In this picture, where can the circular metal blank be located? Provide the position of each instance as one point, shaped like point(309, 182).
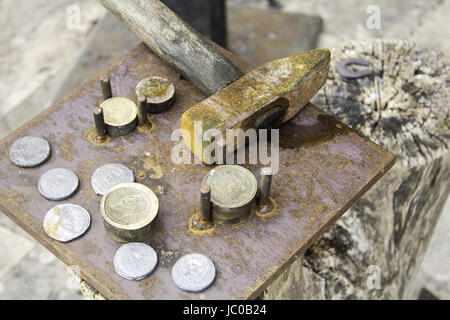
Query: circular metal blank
point(135, 261)
point(66, 222)
point(160, 93)
point(58, 184)
point(120, 116)
point(110, 175)
point(29, 152)
point(193, 273)
point(233, 194)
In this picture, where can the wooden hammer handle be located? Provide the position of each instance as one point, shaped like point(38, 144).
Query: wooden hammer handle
point(177, 43)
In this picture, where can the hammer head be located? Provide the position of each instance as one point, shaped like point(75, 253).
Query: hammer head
point(268, 96)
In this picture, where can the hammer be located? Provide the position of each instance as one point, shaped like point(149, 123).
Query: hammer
point(262, 99)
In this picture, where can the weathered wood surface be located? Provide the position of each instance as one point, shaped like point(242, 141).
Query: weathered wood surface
point(404, 108)
point(177, 43)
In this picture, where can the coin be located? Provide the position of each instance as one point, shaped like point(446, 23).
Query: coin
point(120, 115)
point(66, 222)
point(119, 111)
point(135, 261)
point(231, 186)
point(58, 184)
point(29, 152)
point(193, 273)
point(110, 175)
point(130, 212)
point(233, 194)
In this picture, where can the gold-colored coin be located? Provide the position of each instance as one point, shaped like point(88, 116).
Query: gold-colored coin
point(231, 186)
point(233, 194)
point(156, 89)
point(119, 111)
point(129, 206)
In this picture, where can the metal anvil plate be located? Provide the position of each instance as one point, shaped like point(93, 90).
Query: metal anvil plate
point(326, 169)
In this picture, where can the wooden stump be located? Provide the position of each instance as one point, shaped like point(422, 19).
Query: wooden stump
point(384, 236)
point(89, 292)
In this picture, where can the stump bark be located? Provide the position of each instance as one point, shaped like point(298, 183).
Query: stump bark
point(375, 250)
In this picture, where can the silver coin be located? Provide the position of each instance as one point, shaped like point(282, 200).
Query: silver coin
point(194, 273)
point(110, 175)
point(66, 222)
point(135, 261)
point(29, 152)
point(58, 184)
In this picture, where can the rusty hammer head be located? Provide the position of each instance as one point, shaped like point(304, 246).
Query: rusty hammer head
point(264, 98)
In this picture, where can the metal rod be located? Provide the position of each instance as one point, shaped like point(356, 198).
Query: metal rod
point(106, 87)
point(142, 110)
point(100, 125)
point(266, 182)
point(205, 203)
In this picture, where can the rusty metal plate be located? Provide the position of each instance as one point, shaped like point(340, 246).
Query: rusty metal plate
point(324, 168)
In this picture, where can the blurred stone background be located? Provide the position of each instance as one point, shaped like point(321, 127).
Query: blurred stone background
point(47, 51)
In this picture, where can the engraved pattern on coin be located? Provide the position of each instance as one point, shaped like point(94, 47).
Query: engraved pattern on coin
point(58, 184)
point(130, 204)
point(231, 185)
point(110, 175)
point(155, 89)
point(66, 222)
point(29, 152)
point(119, 111)
point(135, 261)
point(194, 273)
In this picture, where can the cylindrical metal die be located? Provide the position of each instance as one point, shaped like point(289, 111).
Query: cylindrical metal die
point(120, 116)
point(233, 194)
point(160, 93)
point(130, 212)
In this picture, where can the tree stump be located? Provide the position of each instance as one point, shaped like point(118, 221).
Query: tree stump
point(375, 250)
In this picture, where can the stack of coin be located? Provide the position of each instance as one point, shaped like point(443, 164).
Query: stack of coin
point(129, 212)
point(233, 194)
